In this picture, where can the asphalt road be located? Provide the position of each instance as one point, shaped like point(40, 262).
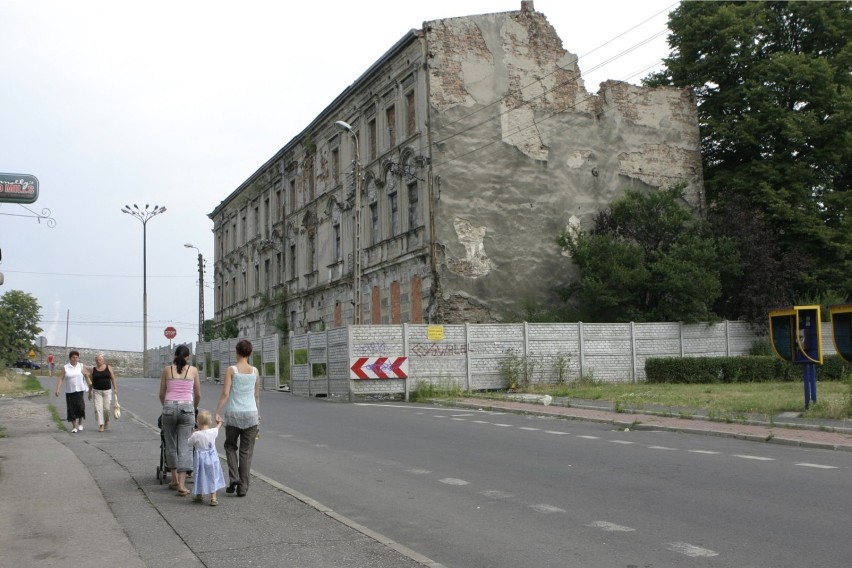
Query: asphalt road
point(481, 489)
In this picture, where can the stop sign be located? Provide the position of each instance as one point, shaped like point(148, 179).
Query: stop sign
point(170, 332)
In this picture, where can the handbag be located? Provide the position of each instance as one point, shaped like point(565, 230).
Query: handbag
point(116, 409)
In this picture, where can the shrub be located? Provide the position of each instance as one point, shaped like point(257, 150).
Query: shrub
point(746, 369)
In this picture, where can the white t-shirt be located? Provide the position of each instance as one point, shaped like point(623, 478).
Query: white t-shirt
point(201, 439)
point(74, 380)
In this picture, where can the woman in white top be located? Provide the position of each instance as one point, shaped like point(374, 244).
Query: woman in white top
point(75, 375)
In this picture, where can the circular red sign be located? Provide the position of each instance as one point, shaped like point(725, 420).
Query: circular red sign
point(170, 332)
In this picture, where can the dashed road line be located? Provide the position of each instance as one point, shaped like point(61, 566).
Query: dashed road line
point(547, 509)
point(625, 442)
point(662, 448)
point(609, 527)
point(590, 437)
point(691, 550)
point(757, 458)
point(707, 452)
point(453, 481)
point(556, 432)
point(816, 465)
point(496, 494)
point(419, 471)
point(528, 429)
point(503, 425)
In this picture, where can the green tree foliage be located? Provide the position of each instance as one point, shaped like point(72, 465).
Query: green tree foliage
point(19, 316)
point(774, 93)
point(648, 258)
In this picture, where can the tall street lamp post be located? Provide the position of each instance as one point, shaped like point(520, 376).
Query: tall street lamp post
point(200, 290)
point(356, 253)
point(144, 215)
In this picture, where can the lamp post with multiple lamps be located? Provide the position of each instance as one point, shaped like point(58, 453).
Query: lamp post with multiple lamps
point(200, 290)
point(356, 252)
point(144, 215)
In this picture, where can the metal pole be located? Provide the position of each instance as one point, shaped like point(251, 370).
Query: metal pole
point(145, 298)
point(356, 253)
point(200, 296)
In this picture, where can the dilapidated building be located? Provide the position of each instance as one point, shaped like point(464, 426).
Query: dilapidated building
point(434, 188)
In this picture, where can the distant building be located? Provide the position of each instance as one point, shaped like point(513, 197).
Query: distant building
point(477, 144)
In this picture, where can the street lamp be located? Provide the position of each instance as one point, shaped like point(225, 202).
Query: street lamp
point(356, 253)
point(200, 289)
point(144, 215)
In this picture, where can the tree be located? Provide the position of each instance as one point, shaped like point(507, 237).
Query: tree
point(648, 258)
point(19, 317)
point(774, 93)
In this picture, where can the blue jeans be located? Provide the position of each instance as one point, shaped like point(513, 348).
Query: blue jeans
point(178, 422)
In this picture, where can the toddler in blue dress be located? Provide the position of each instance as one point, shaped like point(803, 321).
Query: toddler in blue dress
point(206, 466)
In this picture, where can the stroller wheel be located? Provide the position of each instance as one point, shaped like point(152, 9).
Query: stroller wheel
point(159, 475)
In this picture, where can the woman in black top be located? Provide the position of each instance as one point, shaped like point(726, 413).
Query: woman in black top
point(103, 385)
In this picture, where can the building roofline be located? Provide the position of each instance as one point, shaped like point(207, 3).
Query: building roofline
point(403, 42)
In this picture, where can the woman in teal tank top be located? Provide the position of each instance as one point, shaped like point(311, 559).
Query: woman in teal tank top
point(238, 409)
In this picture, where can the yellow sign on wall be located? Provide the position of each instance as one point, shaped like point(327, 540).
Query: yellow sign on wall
point(435, 333)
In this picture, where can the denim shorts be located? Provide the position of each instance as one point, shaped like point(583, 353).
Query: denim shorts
point(178, 423)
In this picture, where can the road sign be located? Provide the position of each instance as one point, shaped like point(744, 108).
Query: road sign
point(170, 332)
point(379, 368)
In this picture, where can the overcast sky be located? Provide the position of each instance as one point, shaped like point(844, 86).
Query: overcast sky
point(177, 102)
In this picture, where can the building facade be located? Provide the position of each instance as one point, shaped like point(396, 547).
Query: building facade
point(472, 143)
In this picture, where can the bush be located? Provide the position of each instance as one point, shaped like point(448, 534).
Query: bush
point(746, 369)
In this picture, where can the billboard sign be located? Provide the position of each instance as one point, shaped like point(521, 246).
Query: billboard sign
point(18, 188)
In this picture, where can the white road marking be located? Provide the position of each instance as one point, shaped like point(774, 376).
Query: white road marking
point(590, 437)
point(438, 416)
point(661, 448)
point(480, 422)
point(547, 509)
point(418, 471)
point(555, 432)
point(461, 415)
point(621, 442)
point(453, 481)
point(816, 465)
point(609, 527)
point(691, 550)
point(503, 425)
point(528, 428)
point(708, 452)
point(459, 419)
point(495, 494)
point(758, 458)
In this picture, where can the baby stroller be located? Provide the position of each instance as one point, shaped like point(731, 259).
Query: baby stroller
point(162, 470)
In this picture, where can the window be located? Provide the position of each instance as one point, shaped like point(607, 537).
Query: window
point(280, 268)
point(336, 234)
point(413, 206)
point(390, 118)
point(244, 284)
point(244, 228)
point(292, 196)
point(309, 177)
point(410, 116)
point(312, 253)
point(279, 205)
point(256, 279)
point(374, 223)
point(267, 220)
point(394, 214)
point(234, 236)
point(371, 132)
point(335, 166)
point(233, 290)
point(293, 261)
point(226, 242)
point(255, 230)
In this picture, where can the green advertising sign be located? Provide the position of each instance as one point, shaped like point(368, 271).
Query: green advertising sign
point(18, 188)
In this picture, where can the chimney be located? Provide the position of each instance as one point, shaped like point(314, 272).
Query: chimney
point(527, 6)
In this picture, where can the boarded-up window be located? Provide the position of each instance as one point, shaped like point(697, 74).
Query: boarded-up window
point(416, 300)
point(376, 306)
point(394, 298)
point(390, 118)
point(338, 314)
point(410, 115)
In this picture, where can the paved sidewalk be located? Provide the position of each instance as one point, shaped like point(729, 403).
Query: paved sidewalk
point(790, 430)
point(93, 499)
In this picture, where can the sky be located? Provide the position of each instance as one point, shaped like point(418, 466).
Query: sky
point(176, 103)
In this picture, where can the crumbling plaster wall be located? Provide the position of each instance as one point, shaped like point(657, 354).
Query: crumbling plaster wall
point(520, 148)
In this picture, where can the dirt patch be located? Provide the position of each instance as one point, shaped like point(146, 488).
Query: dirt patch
point(23, 416)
